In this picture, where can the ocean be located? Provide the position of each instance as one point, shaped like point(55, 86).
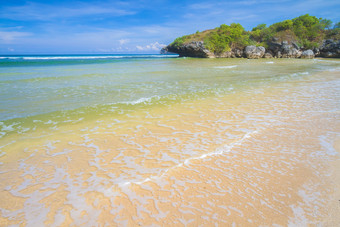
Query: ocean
point(157, 140)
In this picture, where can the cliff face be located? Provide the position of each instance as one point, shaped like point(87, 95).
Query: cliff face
point(197, 49)
point(329, 49)
point(301, 37)
point(192, 49)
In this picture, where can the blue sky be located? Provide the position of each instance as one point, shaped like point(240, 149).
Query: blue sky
point(138, 26)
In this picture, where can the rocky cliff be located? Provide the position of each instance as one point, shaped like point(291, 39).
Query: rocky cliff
point(305, 36)
point(329, 49)
point(192, 49)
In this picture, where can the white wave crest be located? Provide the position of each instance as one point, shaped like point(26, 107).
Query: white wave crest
point(226, 67)
point(334, 69)
point(86, 57)
point(142, 100)
point(299, 74)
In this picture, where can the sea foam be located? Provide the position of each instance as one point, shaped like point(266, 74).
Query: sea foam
point(226, 67)
point(85, 57)
point(218, 151)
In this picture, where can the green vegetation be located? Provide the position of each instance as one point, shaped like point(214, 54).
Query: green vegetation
point(335, 32)
point(306, 31)
point(226, 37)
point(180, 40)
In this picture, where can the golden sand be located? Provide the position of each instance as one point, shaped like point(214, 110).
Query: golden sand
point(245, 159)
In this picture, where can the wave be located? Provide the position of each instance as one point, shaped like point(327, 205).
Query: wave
point(299, 74)
point(323, 60)
point(226, 67)
point(337, 69)
point(22, 123)
point(142, 100)
point(85, 57)
point(218, 151)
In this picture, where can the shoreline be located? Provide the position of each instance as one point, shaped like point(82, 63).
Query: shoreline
point(254, 155)
point(333, 209)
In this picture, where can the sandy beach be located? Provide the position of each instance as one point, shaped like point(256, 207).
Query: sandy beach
point(260, 153)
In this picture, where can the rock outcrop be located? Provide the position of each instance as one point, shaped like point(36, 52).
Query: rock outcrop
point(268, 55)
point(254, 52)
point(235, 53)
point(307, 54)
point(192, 49)
point(283, 49)
point(198, 50)
point(330, 49)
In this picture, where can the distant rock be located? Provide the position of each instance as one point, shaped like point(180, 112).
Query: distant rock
point(238, 53)
point(274, 47)
point(330, 49)
point(284, 49)
point(268, 55)
point(192, 49)
point(198, 50)
point(278, 54)
point(164, 50)
point(295, 45)
point(289, 51)
point(226, 54)
point(254, 52)
point(307, 54)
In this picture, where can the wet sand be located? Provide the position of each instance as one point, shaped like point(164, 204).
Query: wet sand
point(333, 208)
point(262, 157)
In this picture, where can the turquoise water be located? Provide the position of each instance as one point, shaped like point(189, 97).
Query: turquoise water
point(132, 140)
point(75, 87)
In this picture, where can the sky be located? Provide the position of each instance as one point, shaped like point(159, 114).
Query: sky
point(134, 26)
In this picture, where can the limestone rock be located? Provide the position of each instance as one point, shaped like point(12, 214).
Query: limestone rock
point(192, 49)
point(307, 54)
point(238, 53)
point(274, 46)
point(278, 54)
point(288, 51)
point(227, 54)
point(316, 51)
point(254, 52)
point(268, 55)
point(330, 48)
point(284, 49)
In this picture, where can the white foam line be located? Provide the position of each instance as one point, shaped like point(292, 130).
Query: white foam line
point(322, 60)
point(334, 69)
point(218, 151)
point(142, 100)
point(226, 67)
point(89, 57)
point(299, 74)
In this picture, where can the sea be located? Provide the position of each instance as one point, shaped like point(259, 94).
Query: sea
point(158, 140)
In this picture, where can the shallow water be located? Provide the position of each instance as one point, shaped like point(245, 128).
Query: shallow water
point(156, 141)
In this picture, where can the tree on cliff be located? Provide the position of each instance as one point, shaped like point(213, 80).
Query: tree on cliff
point(306, 31)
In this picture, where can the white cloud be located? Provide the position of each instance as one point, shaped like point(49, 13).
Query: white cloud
point(152, 46)
point(139, 47)
point(45, 12)
point(9, 37)
point(123, 41)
